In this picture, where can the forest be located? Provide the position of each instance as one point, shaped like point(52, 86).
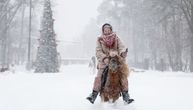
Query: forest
point(158, 33)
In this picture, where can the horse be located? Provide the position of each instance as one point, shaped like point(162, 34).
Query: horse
point(111, 79)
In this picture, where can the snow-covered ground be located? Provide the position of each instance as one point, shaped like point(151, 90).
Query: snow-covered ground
point(68, 89)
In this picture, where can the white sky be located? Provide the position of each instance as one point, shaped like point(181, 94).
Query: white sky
point(71, 16)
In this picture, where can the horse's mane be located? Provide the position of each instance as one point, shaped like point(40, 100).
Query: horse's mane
point(124, 69)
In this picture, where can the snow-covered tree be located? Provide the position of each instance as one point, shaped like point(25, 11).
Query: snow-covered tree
point(47, 56)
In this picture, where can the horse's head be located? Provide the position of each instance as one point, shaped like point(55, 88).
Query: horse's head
point(115, 63)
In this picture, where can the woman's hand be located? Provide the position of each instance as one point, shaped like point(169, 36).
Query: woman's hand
point(106, 60)
point(124, 54)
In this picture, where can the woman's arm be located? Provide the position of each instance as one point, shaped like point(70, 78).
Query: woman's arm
point(99, 52)
point(121, 47)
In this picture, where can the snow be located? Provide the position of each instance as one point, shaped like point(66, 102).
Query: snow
point(67, 90)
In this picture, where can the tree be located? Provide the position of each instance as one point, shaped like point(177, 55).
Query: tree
point(8, 12)
point(187, 8)
point(156, 31)
point(47, 56)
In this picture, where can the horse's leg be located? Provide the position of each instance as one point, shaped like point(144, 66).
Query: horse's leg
point(106, 99)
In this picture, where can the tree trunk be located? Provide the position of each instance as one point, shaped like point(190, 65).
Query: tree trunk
point(4, 40)
point(21, 59)
point(168, 47)
point(191, 53)
point(177, 42)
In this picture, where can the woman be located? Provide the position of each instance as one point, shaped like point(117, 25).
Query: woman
point(106, 43)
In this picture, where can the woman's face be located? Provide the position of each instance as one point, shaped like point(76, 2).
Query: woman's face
point(107, 30)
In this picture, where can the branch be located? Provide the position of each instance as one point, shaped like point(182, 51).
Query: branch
point(190, 24)
point(4, 6)
point(187, 7)
point(11, 18)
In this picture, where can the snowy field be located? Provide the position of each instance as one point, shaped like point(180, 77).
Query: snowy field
point(68, 90)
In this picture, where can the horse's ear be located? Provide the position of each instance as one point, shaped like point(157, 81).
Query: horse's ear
point(120, 59)
point(117, 56)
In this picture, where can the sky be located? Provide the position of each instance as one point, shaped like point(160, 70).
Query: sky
point(71, 16)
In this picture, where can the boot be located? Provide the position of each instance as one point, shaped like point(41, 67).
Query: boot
point(126, 97)
point(92, 97)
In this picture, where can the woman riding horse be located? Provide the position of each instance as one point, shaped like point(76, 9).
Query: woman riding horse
point(107, 43)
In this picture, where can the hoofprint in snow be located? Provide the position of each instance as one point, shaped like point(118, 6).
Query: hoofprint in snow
point(68, 89)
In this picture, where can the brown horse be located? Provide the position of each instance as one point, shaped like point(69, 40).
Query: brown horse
point(117, 69)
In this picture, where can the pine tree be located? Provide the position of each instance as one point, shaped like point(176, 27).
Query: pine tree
point(47, 56)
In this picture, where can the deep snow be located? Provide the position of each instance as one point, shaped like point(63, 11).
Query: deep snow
point(68, 90)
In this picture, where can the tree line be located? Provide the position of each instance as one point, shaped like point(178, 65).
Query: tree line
point(14, 30)
point(158, 33)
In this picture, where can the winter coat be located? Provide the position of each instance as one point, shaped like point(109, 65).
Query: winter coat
point(103, 51)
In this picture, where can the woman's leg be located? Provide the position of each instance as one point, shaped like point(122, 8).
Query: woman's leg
point(97, 81)
point(96, 87)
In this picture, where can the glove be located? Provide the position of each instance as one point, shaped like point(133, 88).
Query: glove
point(124, 54)
point(106, 60)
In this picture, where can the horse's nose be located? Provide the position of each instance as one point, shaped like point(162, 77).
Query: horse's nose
point(114, 66)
